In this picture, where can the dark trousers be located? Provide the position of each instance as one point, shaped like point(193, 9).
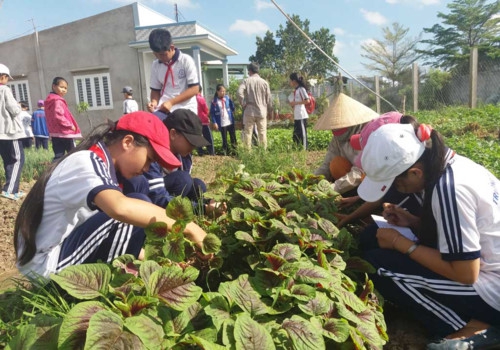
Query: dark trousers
point(441, 305)
point(232, 136)
point(27, 142)
point(42, 142)
point(207, 134)
point(12, 153)
point(300, 132)
point(101, 238)
point(61, 146)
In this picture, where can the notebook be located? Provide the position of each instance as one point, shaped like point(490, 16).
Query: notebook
point(405, 231)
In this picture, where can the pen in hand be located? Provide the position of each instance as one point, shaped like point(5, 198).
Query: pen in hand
point(402, 202)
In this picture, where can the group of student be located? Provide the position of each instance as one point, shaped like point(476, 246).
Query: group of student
point(94, 201)
point(447, 274)
point(18, 128)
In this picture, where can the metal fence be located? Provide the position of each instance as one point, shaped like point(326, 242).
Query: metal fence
point(433, 89)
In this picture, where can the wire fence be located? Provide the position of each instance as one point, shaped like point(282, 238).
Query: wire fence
point(435, 89)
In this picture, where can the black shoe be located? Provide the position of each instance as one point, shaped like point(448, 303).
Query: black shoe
point(489, 339)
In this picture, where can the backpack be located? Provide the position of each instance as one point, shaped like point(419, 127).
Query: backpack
point(311, 106)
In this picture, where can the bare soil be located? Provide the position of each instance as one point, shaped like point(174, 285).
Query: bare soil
point(404, 333)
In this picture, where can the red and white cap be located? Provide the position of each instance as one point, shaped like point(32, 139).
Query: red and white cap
point(389, 152)
point(152, 128)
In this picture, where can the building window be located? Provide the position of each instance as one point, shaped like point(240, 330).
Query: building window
point(95, 90)
point(20, 90)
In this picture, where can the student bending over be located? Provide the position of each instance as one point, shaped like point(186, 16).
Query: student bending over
point(76, 212)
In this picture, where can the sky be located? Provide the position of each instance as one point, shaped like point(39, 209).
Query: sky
point(239, 22)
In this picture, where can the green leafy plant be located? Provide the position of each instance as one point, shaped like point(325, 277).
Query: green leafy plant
point(279, 275)
point(83, 107)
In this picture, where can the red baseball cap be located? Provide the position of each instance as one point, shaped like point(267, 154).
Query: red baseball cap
point(152, 128)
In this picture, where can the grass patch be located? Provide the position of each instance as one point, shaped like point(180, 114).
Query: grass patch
point(35, 162)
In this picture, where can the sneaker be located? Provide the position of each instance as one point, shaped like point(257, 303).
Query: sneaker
point(12, 196)
point(488, 339)
point(20, 194)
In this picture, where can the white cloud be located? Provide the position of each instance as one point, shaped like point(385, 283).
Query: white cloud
point(374, 17)
point(249, 27)
point(338, 31)
point(338, 48)
point(262, 5)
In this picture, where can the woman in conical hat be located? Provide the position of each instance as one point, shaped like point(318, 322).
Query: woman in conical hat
point(344, 117)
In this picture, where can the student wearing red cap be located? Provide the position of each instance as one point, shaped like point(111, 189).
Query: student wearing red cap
point(76, 212)
point(450, 278)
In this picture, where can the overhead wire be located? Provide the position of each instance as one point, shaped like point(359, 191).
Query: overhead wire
point(328, 56)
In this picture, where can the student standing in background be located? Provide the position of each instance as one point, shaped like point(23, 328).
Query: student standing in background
point(205, 122)
point(61, 124)
point(27, 140)
point(174, 77)
point(129, 104)
point(222, 112)
point(11, 131)
point(39, 125)
point(298, 99)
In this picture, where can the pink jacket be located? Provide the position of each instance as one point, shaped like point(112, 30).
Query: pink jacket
point(202, 110)
point(60, 121)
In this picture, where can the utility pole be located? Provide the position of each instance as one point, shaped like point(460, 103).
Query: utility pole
point(41, 75)
point(176, 13)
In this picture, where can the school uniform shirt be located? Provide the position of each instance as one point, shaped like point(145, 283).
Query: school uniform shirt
point(11, 127)
point(68, 203)
point(157, 191)
point(174, 78)
point(130, 105)
point(299, 95)
point(224, 115)
point(222, 111)
point(466, 207)
point(26, 120)
point(39, 124)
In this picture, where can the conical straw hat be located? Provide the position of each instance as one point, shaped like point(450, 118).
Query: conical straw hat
point(344, 112)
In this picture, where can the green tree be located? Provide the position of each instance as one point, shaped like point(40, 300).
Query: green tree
point(289, 51)
point(470, 23)
point(318, 65)
point(431, 94)
point(393, 55)
point(267, 51)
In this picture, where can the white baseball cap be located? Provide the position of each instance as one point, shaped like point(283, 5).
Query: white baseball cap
point(5, 70)
point(390, 151)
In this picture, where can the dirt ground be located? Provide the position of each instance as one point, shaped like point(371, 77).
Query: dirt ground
point(404, 333)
